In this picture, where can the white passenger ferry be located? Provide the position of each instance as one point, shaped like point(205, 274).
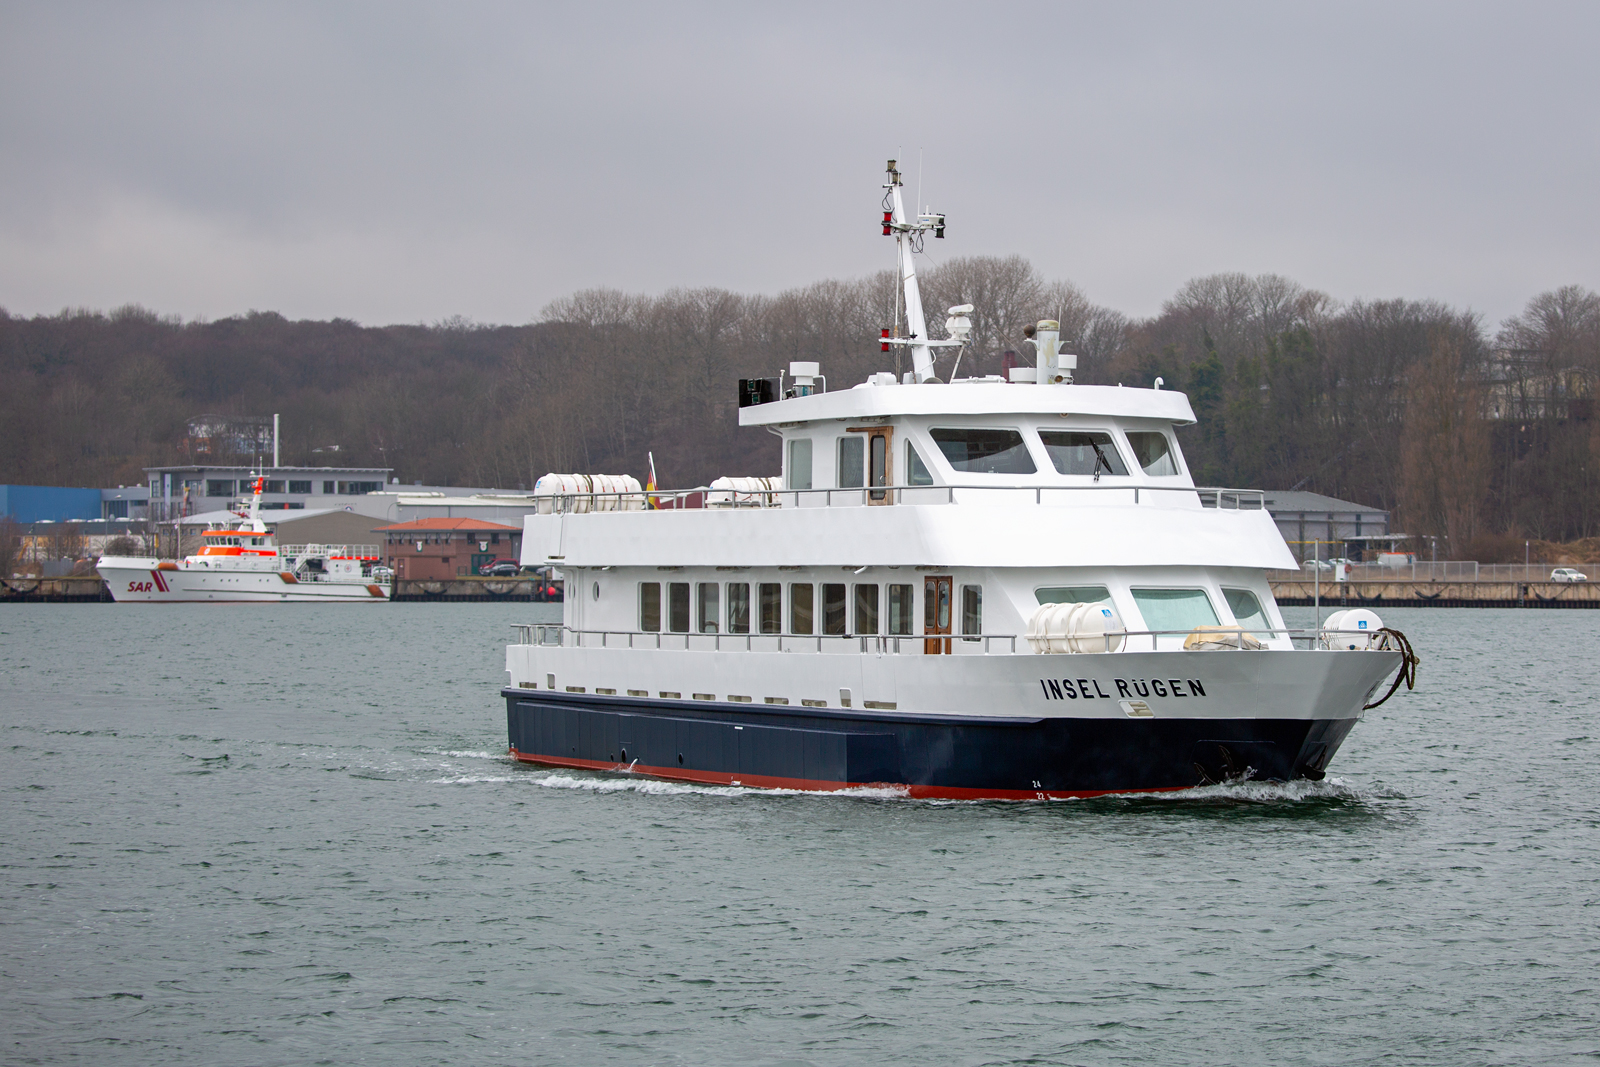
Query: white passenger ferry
point(241, 561)
point(982, 588)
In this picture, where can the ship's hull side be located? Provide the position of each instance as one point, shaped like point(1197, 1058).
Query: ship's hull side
point(155, 584)
point(937, 756)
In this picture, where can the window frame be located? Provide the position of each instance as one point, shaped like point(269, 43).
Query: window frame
point(645, 606)
point(867, 620)
point(1134, 591)
point(835, 605)
point(797, 610)
point(971, 611)
point(704, 623)
point(1109, 433)
point(857, 466)
point(1020, 431)
point(738, 621)
point(1173, 452)
point(763, 589)
point(792, 463)
point(672, 607)
point(900, 597)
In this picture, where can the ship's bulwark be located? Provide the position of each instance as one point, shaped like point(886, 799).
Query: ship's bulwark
point(936, 756)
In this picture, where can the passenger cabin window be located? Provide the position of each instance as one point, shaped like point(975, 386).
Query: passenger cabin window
point(976, 451)
point(916, 470)
point(1072, 594)
point(833, 608)
point(738, 607)
point(650, 607)
point(771, 608)
point(1082, 452)
point(971, 611)
point(678, 607)
point(707, 596)
point(866, 609)
point(902, 604)
point(1153, 453)
point(800, 464)
point(1175, 609)
point(1245, 607)
point(800, 608)
point(852, 462)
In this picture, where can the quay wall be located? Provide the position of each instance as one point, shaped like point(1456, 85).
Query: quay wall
point(1427, 594)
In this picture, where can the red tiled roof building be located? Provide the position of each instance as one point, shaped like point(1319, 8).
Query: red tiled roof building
point(441, 549)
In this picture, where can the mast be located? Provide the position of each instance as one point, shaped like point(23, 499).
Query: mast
point(254, 516)
point(908, 237)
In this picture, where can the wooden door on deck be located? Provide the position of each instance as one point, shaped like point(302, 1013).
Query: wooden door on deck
point(936, 613)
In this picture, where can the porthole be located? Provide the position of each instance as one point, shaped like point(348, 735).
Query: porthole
point(597, 590)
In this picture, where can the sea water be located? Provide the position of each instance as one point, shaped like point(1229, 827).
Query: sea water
point(287, 834)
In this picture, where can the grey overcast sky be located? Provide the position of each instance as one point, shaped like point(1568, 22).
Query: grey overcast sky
point(392, 162)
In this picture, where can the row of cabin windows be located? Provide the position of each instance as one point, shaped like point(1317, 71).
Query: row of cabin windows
point(988, 451)
point(237, 541)
point(828, 608)
point(247, 486)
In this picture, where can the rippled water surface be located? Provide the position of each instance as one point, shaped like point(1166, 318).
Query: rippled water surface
point(287, 834)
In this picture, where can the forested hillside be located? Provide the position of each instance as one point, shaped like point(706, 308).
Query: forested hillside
point(1479, 436)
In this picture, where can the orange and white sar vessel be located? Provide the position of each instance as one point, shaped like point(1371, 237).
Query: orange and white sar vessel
point(241, 561)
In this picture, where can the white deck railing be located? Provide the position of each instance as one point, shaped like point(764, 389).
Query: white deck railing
point(345, 551)
point(559, 635)
point(707, 497)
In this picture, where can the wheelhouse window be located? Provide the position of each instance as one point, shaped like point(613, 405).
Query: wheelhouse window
point(833, 608)
point(971, 610)
point(1072, 594)
point(1153, 452)
point(800, 463)
point(650, 607)
point(678, 607)
point(738, 607)
point(902, 606)
point(1246, 608)
point(852, 462)
point(866, 609)
point(1175, 609)
point(1083, 452)
point(916, 470)
point(984, 451)
point(800, 608)
point(707, 598)
point(771, 608)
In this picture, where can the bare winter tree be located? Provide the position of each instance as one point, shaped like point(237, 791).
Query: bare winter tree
point(1444, 449)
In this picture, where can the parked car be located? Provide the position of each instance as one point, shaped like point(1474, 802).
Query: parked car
point(1316, 565)
point(501, 568)
point(1568, 574)
point(381, 573)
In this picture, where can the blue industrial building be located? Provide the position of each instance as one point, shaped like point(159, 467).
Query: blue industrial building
point(52, 503)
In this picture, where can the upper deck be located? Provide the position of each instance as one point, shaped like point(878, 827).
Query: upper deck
point(980, 397)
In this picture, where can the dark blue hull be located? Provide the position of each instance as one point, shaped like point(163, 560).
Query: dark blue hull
point(927, 756)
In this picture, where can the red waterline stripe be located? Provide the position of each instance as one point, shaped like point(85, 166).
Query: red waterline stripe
point(815, 785)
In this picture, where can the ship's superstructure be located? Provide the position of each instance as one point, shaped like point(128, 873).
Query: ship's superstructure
point(239, 560)
point(976, 588)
